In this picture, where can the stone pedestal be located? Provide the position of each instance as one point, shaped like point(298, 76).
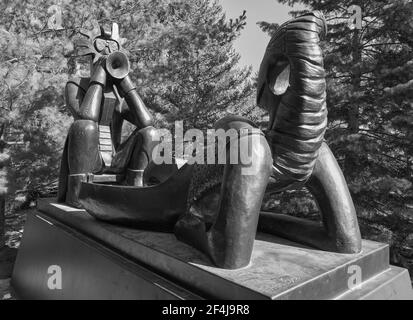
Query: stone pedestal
point(97, 260)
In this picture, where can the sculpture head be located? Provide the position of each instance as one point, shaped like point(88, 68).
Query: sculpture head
point(276, 75)
point(107, 42)
point(292, 87)
point(100, 43)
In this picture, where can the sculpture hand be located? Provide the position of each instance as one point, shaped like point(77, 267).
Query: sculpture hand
point(117, 65)
point(99, 74)
point(91, 104)
point(140, 115)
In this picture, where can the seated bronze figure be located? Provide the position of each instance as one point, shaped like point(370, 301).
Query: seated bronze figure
point(99, 105)
point(216, 208)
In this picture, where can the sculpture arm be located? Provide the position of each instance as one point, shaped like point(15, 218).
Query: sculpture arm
point(137, 113)
point(91, 104)
point(74, 94)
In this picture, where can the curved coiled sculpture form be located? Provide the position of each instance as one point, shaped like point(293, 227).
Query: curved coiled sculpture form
point(293, 63)
point(292, 87)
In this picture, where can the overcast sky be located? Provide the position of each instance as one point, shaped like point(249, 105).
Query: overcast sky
point(253, 41)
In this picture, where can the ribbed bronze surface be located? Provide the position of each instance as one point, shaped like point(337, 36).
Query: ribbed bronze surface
point(299, 120)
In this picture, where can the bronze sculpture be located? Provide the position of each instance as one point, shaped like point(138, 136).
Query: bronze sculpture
point(100, 105)
point(292, 87)
point(216, 208)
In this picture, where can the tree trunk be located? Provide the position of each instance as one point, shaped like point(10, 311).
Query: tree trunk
point(3, 182)
point(2, 221)
point(353, 114)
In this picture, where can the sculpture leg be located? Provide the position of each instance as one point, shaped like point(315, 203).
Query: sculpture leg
point(232, 236)
point(82, 157)
point(229, 240)
point(339, 231)
point(141, 156)
point(63, 175)
point(329, 188)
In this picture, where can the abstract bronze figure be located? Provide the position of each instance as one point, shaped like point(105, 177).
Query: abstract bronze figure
point(292, 87)
point(100, 105)
point(216, 207)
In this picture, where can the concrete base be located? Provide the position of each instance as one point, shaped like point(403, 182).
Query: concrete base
point(7, 258)
point(103, 261)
